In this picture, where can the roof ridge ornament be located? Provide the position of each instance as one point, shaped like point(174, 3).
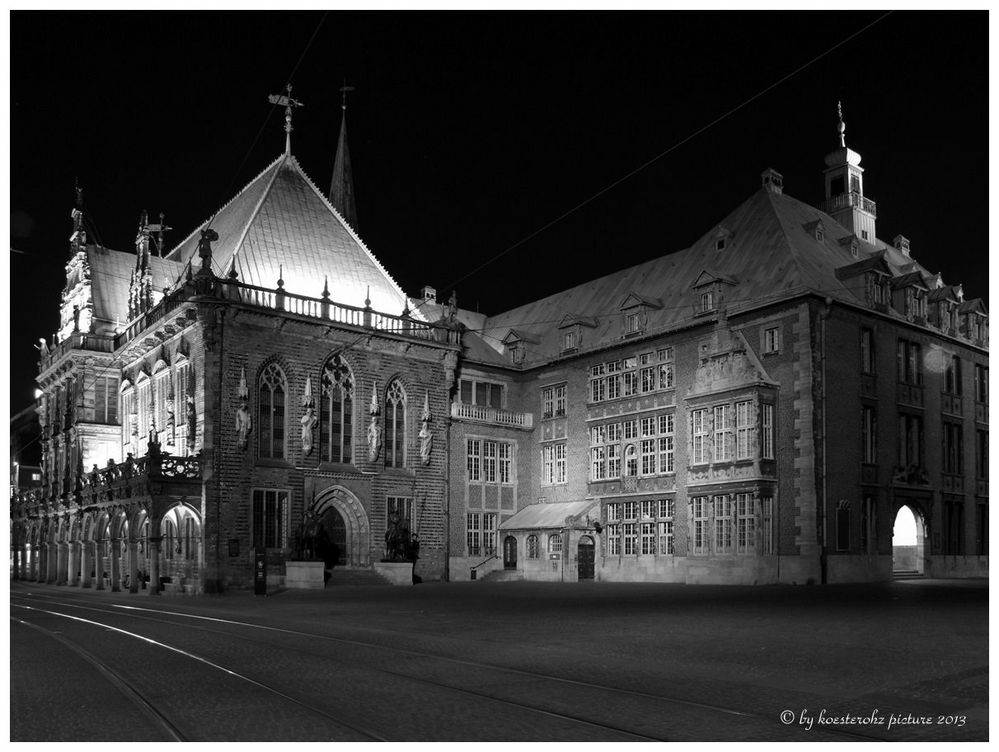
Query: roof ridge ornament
point(840, 126)
point(288, 103)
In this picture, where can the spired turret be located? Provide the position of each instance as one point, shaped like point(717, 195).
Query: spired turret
point(844, 179)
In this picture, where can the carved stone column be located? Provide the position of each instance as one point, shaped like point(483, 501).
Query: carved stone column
point(154, 565)
point(62, 551)
point(87, 563)
point(73, 573)
point(133, 566)
point(115, 565)
point(98, 565)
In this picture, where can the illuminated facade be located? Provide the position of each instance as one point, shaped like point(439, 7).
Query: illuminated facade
point(753, 409)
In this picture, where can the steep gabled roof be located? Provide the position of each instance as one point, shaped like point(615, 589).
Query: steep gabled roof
point(771, 253)
point(281, 226)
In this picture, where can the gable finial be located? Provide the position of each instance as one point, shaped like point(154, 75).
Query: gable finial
point(840, 126)
point(288, 103)
point(343, 90)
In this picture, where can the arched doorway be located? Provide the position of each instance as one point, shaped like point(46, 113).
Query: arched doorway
point(509, 552)
point(344, 524)
point(585, 552)
point(332, 544)
point(908, 540)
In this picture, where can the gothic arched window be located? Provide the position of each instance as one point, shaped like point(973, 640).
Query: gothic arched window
point(336, 412)
point(273, 388)
point(395, 425)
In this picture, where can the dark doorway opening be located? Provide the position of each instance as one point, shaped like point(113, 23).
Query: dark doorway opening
point(586, 556)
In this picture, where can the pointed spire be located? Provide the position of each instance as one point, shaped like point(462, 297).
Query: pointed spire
point(342, 185)
point(288, 102)
point(840, 126)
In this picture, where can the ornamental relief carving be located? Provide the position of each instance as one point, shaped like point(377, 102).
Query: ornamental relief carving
point(724, 370)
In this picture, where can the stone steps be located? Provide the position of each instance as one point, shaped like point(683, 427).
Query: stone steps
point(502, 575)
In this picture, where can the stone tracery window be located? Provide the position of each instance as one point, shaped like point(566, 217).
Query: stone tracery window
point(272, 390)
point(395, 425)
point(336, 417)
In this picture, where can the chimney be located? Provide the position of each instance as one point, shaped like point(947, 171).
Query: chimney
point(901, 243)
point(429, 294)
point(773, 181)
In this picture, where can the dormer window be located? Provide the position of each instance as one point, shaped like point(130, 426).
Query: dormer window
point(816, 229)
point(720, 244)
point(570, 340)
point(707, 301)
point(851, 243)
point(635, 309)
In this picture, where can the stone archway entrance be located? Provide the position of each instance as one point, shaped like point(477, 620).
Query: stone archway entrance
point(908, 540)
point(345, 537)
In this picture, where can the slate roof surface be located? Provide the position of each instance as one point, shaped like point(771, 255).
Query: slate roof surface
point(111, 275)
point(769, 255)
point(281, 226)
point(546, 516)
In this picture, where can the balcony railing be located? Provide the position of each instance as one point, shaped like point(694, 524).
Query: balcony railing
point(493, 415)
point(76, 341)
point(850, 200)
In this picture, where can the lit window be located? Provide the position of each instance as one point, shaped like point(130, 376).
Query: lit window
point(745, 430)
point(699, 509)
point(723, 524)
point(723, 433)
point(699, 436)
point(745, 521)
point(768, 431)
point(395, 425)
point(336, 412)
point(270, 519)
point(533, 550)
point(707, 301)
point(632, 323)
point(555, 543)
point(771, 340)
point(273, 389)
point(569, 341)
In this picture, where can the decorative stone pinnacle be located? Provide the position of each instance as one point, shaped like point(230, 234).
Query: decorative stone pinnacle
point(326, 287)
point(280, 276)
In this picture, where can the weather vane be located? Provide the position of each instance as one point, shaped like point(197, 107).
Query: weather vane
point(343, 90)
point(288, 103)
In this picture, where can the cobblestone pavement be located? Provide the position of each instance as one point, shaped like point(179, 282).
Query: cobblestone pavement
point(579, 661)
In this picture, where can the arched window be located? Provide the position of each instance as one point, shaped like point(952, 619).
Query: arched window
point(336, 412)
point(169, 538)
point(631, 460)
point(273, 388)
point(189, 538)
point(395, 425)
point(555, 543)
point(532, 547)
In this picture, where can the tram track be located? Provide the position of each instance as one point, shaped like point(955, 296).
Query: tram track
point(656, 702)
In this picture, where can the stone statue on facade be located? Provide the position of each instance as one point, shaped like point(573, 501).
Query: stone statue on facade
point(208, 236)
point(308, 419)
point(426, 435)
point(192, 423)
point(399, 540)
point(374, 430)
point(42, 347)
point(243, 421)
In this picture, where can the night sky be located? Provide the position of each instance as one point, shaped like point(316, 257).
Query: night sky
point(469, 132)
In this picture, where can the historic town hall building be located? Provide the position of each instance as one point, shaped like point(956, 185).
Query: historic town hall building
point(753, 409)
